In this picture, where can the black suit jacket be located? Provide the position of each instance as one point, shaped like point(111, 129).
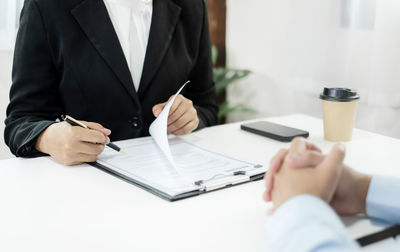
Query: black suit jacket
point(68, 61)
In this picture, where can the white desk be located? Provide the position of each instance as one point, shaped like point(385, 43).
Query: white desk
point(48, 207)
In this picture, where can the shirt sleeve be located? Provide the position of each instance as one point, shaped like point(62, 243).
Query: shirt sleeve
point(307, 223)
point(383, 201)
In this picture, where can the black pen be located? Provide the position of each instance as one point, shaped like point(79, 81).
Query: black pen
point(74, 122)
point(390, 232)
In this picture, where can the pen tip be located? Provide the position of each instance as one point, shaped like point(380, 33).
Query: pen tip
point(122, 152)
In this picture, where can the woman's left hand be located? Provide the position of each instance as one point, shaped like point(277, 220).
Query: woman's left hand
point(182, 117)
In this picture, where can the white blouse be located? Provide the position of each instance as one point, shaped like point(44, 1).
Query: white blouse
point(132, 20)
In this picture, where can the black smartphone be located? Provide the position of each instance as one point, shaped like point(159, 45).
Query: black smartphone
point(274, 131)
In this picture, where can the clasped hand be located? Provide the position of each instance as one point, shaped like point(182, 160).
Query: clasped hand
point(303, 169)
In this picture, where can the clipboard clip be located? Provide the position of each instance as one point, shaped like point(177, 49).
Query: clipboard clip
point(236, 173)
point(224, 182)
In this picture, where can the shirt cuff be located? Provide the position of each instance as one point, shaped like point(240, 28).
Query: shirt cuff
point(306, 223)
point(383, 199)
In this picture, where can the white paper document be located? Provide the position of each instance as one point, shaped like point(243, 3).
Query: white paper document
point(174, 166)
point(158, 129)
point(146, 164)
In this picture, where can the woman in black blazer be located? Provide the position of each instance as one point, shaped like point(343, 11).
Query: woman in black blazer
point(68, 61)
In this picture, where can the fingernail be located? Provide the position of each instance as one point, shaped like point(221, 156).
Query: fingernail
point(108, 140)
point(341, 146)
point(294, 158)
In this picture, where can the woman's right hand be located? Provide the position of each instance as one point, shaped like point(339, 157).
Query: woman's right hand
point(73, 145)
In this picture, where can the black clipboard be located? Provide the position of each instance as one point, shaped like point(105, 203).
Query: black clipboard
point(181, 196)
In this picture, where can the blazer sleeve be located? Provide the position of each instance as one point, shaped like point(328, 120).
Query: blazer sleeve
point(202, 90)
point(34, 100)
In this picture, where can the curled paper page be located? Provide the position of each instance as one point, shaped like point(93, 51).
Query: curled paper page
point(158, 129)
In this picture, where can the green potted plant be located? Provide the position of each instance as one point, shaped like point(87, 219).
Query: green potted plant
point(223, 78)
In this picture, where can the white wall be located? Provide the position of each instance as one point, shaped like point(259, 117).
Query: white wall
point(5, 82)
point(9, 20)
point(296, 47)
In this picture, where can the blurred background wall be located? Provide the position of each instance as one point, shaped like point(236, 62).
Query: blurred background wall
point(297, 47)
point(5, 82)
point(9, 16)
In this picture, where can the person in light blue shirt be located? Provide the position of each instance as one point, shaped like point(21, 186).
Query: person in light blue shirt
point(309, 190)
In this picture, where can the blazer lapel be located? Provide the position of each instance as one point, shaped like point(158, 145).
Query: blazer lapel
point(94, 20)
point(165, 18)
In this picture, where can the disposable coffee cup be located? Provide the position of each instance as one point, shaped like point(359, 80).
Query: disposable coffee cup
point(339, 109)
